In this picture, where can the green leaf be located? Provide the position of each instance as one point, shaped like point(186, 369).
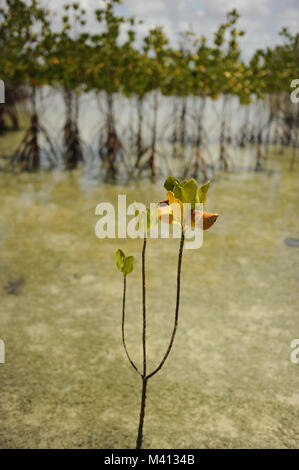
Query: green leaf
point(177, 191)
point(187, 191)
point(170, 183)
point(120, 259)
point(124, 263)
point(202, 192)
point(128, 265)
point(190, 192)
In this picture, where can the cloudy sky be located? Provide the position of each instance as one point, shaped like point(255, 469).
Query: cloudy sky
point(261, 19)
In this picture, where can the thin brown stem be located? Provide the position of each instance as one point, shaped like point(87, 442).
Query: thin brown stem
point(142, 413)
point(123, 329)
point(176, 309)
point(144, 378)
point(144, 307)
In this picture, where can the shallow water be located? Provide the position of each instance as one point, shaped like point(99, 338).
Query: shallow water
point(229, 381)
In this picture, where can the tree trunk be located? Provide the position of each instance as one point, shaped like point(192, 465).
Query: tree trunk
point(34, 147)
point(200, 163)
point(183, 124)
point(222, 156)
point(258, 162)
point(139, 142)
point(111, 138)
point(175, 129)
point(154, 136)
point(73, 151)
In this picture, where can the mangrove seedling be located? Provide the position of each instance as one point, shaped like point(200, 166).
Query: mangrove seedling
point(170, 209)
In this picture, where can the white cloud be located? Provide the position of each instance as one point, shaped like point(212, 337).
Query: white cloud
point(145, 7)
point(261, 19)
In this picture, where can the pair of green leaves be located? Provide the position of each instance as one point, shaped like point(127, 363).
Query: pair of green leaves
point(124, 263)
point(187, 191)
